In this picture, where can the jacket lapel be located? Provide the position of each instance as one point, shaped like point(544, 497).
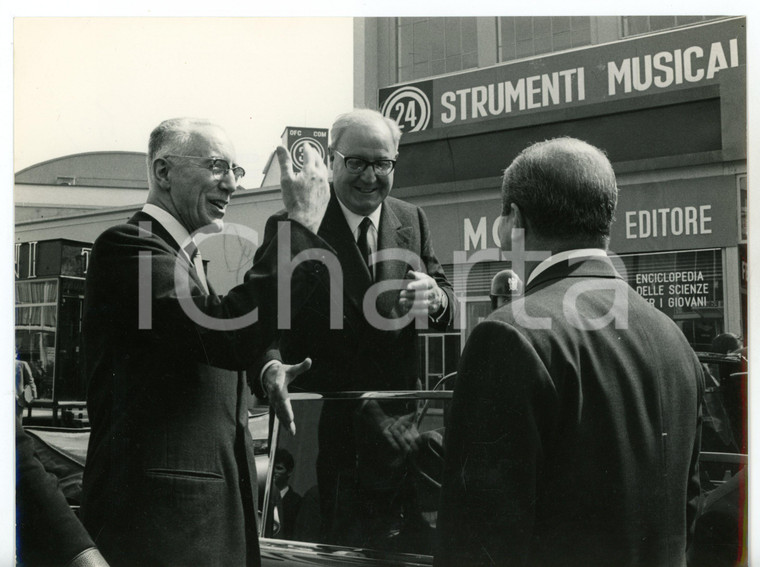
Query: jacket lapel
point(158, 230)
point(392, 234)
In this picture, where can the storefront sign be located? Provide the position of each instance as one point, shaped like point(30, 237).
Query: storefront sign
point(635, 67)
point(682, 214)
point(676, 215)
point(687, 286)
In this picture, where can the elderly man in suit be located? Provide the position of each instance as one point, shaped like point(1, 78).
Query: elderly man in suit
point(392, 285)
point(574, 431)
point(170, 475)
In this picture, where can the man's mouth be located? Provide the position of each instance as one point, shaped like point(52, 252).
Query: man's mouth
point(219, 204)
point(365, 190)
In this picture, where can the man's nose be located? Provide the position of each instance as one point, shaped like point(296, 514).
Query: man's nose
point(368, 175)
point(228, 182)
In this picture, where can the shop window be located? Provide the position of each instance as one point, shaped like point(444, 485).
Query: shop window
point(687, 286)
point(521, 37)
point(433, 46)
point(36, 320)
point(637, 25)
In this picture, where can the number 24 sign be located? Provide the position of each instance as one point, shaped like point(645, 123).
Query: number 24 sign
point(410, 107)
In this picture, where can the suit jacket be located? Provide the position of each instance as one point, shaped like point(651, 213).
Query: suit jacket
point(360, 356)
point(49, 534)
point(170, 476)
point(573, 447)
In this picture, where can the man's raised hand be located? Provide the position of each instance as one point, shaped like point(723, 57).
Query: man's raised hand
point(306, 193)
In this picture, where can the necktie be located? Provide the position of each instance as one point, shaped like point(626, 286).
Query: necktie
point(197, 260)
point(363, 243)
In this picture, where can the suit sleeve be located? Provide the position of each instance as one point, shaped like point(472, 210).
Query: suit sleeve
point(304, 281)
point(434, 269)
point(133, 276)
point(48, 531)
point(500, 421)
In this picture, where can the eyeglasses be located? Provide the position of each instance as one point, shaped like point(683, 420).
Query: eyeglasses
point(219, 167)
point(357, 165)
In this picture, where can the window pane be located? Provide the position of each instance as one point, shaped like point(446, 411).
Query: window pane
point(437, 33)
point(524, 48)
point(421, 69)
point(661, 22)
point(581, 37)
point(542, 44)
point(563, 40)
point(422, 44)
point(454, 63)
point(542, 25)
point(560, 24)
point(507, 39)
point(637, 24)
point(405, 44)
point(469, 35)
point(683, 20)
point(453, 37)
point(524, 29)
point(469, 60)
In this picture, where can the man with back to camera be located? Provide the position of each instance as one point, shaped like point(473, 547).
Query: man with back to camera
point(170, 474)
point(358, 447)
point(574, 432)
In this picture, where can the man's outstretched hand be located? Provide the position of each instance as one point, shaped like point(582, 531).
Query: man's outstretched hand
point(306, 193)
point(277, 378)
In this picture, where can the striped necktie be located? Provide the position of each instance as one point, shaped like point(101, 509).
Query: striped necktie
point(363, 243)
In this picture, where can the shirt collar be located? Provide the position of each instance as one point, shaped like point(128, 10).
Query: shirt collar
point(564, 256)
point(171, 224)
point(354, 220)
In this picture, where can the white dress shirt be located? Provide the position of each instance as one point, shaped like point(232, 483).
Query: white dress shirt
point(180, 234)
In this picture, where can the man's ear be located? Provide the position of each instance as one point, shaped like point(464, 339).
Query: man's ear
point(519, 219)
point(161, 173)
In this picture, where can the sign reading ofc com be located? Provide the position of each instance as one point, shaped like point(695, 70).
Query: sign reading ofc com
point(296, 138)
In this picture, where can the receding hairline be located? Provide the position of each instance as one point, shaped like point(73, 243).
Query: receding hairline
point(363, 117)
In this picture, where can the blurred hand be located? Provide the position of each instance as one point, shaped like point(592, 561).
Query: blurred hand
point(401, 433)
point(422, 296)
point(306, 193)
point(277, 377)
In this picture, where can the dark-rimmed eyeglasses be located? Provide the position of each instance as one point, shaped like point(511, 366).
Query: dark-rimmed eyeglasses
point(218, 166)
point(357, 165)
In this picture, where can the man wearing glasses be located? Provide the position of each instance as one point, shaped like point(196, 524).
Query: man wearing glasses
point(170, 475)
point(375, 347)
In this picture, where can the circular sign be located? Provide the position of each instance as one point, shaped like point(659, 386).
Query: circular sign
point(296, 150)
point(409, 107)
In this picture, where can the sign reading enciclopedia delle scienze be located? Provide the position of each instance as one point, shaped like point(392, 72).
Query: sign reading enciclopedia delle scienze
point(625, 69)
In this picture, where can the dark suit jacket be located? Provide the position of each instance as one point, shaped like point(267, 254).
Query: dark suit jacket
point(170, 476)
point(569, 446)
point(49, 534)
point(360, 356)
point(287, 510)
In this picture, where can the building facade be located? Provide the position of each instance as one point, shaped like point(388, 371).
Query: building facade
point(664, 97)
